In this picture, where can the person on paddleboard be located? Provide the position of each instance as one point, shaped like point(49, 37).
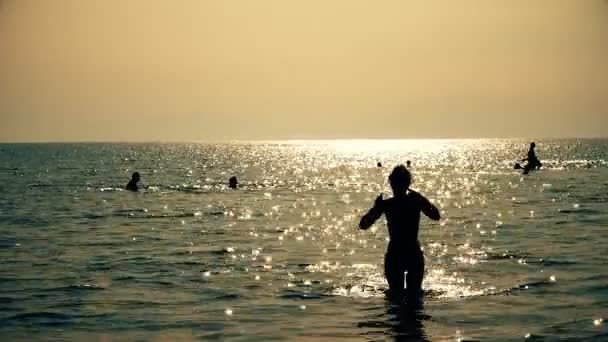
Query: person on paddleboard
point(533, 162)
point(403, 219)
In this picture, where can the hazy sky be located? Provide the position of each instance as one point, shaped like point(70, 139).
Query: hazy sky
point(132, 70)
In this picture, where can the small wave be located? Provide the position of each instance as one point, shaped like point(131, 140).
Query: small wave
point(136, 259)
point(596, 277)
point(127, 211)
point(148, 281)
point(527, 258)
point(580, 211)
point(93, 216)
point(195, 189)
point(27, 221)
point(89, 287)
point(110, 189)
point(74, 288)
point(294, 295)
point(164, 216)
point(7, 243)
point(551, 262)
point(507, 255)
point(7, 300)
point(57, 186)
point(228, 296)
point(41, 318)
point(190, 263)
point(360, 291)
point(124, 278)
point(145, 214)
point(40, 185)
point(534, 284)
point(226, 250)
point(519, 288)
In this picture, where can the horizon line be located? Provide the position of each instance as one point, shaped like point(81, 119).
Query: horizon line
point(289, 140)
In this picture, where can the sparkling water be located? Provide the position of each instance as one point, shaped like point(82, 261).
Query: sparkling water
point(514, 257)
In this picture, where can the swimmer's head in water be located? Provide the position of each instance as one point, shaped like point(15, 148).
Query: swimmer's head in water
point(135, 176)
point(400, 179)
point(233, 182)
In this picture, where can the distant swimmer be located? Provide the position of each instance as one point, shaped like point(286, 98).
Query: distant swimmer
point(403, 218)
point(408, 164)
point(379, 164)
point(533, 162)
point(233, 182)
point(132, 185)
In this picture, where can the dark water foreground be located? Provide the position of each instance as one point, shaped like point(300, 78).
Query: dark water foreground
point(281, 259)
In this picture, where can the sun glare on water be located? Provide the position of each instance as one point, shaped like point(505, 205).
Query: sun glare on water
point(373, 146)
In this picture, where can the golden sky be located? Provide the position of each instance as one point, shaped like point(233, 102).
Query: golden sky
point(147, 70)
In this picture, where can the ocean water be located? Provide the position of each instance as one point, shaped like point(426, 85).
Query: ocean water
point(514, 257)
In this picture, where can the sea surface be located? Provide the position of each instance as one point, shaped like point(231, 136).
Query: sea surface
point(514, 257)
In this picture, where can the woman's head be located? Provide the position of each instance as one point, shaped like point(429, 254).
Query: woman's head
point(400, 179)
